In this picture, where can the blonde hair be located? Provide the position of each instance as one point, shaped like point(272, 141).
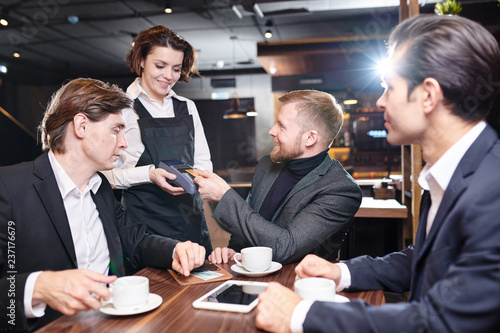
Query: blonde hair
point(318, 111)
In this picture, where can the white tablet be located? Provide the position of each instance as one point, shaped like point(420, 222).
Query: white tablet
point(232, 295)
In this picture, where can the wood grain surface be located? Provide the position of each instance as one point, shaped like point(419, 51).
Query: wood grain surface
point(176, 313)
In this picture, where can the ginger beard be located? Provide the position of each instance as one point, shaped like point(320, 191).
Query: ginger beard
point(282, 154)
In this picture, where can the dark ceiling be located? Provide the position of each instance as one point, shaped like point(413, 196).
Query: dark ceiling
point(309, 37)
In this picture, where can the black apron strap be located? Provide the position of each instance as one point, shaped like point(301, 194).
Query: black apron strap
point(180, 107)
point(141, 110)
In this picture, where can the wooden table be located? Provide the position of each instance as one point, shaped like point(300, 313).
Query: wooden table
point(176, 314)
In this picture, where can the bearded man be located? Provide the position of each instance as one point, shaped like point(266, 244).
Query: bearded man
point(301, 200)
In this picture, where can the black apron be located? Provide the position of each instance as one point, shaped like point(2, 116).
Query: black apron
point(179, 217)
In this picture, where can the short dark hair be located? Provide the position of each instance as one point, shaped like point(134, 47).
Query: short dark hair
point(162, 36)
point(317, 110)
point(93, 98)
point(457, 52)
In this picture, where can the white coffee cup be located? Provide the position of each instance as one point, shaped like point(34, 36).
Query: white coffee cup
point(315, 289)
point(255, 259)
point(129, 292)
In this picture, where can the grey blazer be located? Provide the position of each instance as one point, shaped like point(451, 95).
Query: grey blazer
point(312, 219)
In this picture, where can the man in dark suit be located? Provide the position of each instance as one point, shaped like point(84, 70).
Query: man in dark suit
point(301, 200)
point(63, 235)
point(444, 77)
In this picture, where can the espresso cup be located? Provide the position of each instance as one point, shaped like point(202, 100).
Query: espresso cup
point(255, 259)
point(315, 289)
point(129, 292)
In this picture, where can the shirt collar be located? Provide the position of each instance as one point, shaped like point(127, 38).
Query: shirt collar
point(64, 182)
point(443, 169)
point(135, 90)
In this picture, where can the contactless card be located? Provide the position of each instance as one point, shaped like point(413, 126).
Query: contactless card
point(207, 275)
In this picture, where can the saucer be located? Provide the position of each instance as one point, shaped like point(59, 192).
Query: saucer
point(275, 266)
point(154, 301)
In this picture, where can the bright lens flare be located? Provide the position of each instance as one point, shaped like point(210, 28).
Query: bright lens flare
point(384, 67)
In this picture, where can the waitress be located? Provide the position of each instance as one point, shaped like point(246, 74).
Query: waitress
point(162, 126)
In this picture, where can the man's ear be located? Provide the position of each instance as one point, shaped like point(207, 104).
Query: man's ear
point(80, 122)
point(311, 137)
point(433, 94)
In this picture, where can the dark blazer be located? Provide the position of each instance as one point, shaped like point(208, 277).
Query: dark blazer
point(312, 218)
point(35, 235)
point(453, 275)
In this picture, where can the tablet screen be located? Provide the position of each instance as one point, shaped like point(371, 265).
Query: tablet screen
point(235, 294)
point(238, 296)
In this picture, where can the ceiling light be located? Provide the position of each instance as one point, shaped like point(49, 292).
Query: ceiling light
point(3, 69)
point(350, 99)
point(168, 7)
point(3, 17)
point(16, 55)
point(269, 32)
point(252, 112)
point(257, 10)
point(237, 12)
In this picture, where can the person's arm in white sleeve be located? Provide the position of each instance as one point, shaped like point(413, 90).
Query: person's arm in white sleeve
point(301, 310)
point(299, 316)
point(32, 310)
point(345, 277)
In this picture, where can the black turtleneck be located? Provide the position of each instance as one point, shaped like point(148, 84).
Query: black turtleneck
point(291, 174)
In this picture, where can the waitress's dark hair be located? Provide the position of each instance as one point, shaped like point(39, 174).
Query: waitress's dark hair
point(162, 36)
point(457, 52)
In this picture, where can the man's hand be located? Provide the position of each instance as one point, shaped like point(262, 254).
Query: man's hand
point(211, 186)
point(187, 256)
point(159, 175)
point(314, 266)
point(72, 291)
point(221, 255)
point(275, 308)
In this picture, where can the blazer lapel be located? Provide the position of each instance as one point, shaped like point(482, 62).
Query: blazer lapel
point(459, 181)
point(266, 184)
point(310, 178)
point(51, 199)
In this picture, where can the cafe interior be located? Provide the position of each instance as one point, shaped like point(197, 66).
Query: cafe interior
point(250, 52)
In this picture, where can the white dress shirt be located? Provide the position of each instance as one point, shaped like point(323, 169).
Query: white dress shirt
point(439, 175)
point(125, 173)
point(89, 240)
point(435, 178)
